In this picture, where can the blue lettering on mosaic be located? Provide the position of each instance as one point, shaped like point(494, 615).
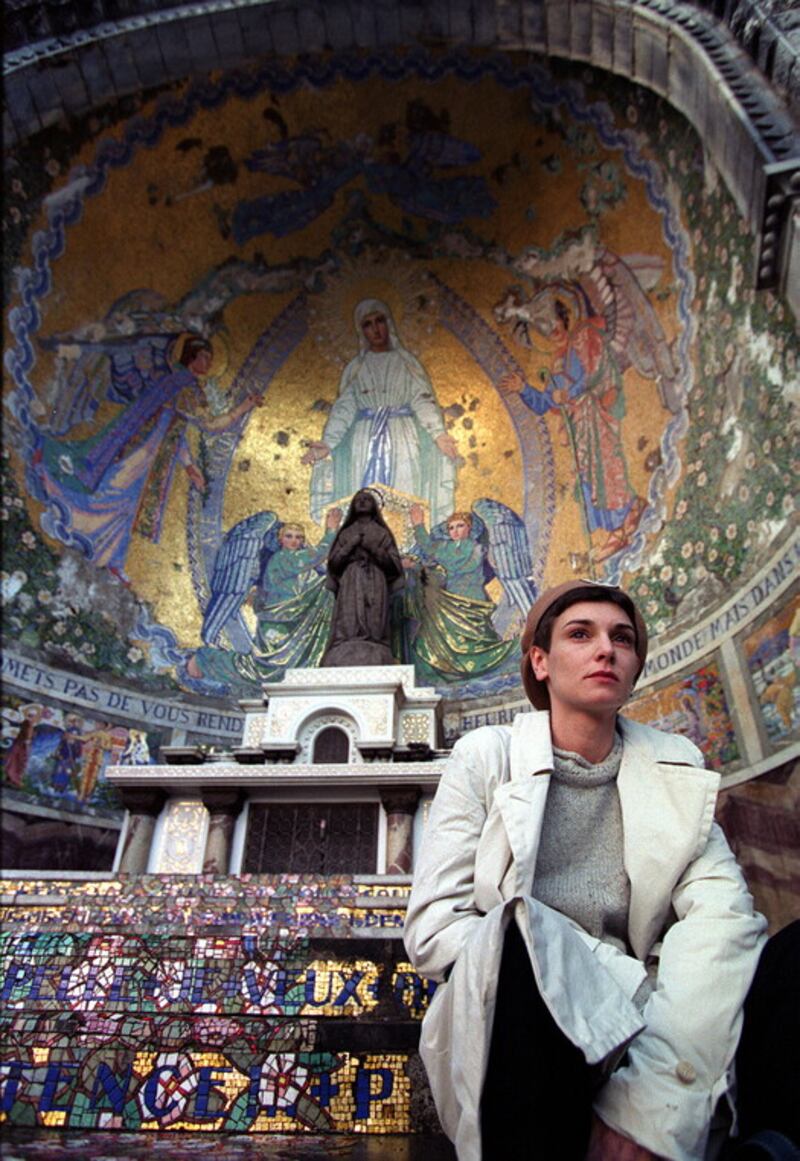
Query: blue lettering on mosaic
point(364, 1094)
point(348, 992)
point(17, 976)
point(118, 983)
point(58, 1074)
point(15, 1068)
point(310, 989)
point(325, 1090)
point(209, 1076)
point(107, 1084)
point(151, 1091)
point(62, 991)
point(253, 1090)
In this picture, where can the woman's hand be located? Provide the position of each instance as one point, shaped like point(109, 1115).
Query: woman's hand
point(605, 1144)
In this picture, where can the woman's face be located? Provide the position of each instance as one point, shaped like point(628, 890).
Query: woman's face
point(376, 331)
point(592, 662)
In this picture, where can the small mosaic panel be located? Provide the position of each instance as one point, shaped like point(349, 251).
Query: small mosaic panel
point(54, 757)
point(772, 653)
point(416, 727)
point(696, 706)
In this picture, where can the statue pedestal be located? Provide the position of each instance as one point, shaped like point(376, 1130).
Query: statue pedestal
point(379, 706)
point(386, 730)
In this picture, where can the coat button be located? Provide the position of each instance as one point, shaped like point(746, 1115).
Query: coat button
point(685, 1072)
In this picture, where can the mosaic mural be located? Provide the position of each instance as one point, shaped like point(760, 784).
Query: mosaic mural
point(773, 655)
point(53, 756)
point(694, 705)
point(339, 272)
point(112, 1020)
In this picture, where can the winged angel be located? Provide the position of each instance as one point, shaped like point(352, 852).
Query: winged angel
point(588, 306)
point(451, 622)
point(268, 563)
point(445, 623)
point(101, 489)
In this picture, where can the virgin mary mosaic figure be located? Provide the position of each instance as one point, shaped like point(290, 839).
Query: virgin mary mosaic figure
point(385, 427)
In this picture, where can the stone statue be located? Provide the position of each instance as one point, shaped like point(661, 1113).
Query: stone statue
point(364, 568)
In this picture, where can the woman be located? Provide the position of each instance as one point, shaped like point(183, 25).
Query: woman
point(577, 896)
point(385, 427)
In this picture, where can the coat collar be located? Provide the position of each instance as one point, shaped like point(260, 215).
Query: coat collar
point(667, 808)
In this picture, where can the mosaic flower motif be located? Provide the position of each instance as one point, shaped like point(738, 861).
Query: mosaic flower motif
point(283, 1082)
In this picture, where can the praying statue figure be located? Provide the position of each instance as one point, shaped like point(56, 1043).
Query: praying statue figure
point(364, 569)
point(385, 426)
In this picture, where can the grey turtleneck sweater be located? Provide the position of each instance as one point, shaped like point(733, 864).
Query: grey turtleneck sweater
point(579, 868)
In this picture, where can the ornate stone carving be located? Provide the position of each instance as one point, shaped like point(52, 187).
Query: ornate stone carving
point(183, 838)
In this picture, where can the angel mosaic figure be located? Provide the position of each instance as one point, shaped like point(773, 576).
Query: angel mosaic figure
point(386, 426)
point(455, 636)
point(590, 307)
point(586, 385)
point(269, 562)
point(118, 480)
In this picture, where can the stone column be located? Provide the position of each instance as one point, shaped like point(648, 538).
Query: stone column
point(400, 804)
point(144, 806)
point(223, 806)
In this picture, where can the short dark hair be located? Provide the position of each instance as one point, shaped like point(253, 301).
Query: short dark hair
point(544, 630)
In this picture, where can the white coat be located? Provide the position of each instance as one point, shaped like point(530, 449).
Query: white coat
point(690, 911)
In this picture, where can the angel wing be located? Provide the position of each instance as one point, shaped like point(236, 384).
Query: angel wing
point(137, 322)
point(637, 335)
point(237, 567)
point(509, 551)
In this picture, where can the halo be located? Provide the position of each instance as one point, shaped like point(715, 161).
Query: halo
point(407, 289)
